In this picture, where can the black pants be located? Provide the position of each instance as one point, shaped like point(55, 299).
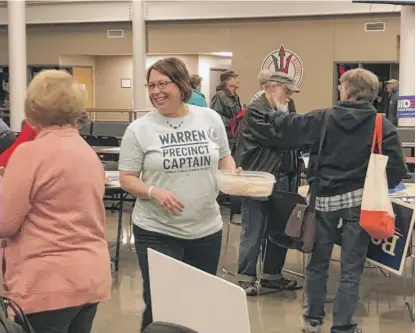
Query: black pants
point(202, 253)
point(68, 320)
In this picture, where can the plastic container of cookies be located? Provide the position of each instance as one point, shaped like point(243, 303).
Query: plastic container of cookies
point(246, 183)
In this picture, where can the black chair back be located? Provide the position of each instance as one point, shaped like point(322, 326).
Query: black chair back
point(281, 205)
point(92, 140)
point(109, 141)
point(109, 128)
point(160, 327)
point(86, 129)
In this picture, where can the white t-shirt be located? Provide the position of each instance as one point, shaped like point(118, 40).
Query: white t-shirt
point(180, 155)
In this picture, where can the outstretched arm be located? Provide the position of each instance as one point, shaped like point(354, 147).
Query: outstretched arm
point(295, 131)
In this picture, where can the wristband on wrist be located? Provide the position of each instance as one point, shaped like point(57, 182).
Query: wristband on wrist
point(149, 192)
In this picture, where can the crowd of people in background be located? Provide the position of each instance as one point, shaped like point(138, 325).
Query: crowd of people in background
point(168, 161)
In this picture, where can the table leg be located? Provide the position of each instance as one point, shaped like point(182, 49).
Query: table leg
point(119, 227)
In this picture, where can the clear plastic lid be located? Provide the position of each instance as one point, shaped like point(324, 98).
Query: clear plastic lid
point(250, 176)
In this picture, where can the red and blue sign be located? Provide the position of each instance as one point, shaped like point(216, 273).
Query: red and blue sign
point(406, 107)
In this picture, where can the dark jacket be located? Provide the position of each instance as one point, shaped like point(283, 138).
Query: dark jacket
point(289, 161)
point(6, 136)
point(391, 113)
point(228, 106)
point(256, 145)
point(346, 150)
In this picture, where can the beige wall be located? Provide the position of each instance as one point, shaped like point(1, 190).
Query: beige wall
point(77, 60)
point(109, 93)
point(46, 43)
point(318, 41)
point(109, 70)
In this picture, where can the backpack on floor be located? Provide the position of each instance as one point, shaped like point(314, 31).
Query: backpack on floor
point(19, 324)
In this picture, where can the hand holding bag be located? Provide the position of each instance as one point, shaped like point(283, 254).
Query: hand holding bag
point(377, 216)
point(301, 226)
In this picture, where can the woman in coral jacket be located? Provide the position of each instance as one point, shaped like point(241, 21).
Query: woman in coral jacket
point(52, 214)
point(27, 134)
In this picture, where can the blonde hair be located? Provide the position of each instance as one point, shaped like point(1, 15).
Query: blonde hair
point(360, 84)
point(54, 98)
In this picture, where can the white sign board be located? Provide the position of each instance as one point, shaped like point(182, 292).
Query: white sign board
point(186, 296)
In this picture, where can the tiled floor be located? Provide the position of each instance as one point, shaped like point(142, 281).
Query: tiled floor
point(381, 309)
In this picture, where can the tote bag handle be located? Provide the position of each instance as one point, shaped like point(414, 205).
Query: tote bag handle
point(378, 134)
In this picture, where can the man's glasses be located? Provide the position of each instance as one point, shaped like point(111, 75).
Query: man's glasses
point(287, 91)
point(160, 85)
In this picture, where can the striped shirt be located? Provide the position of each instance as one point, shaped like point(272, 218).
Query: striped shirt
point(338, 202)
point(257, 96)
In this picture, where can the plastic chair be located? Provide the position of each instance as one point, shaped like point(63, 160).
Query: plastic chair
point(110, 165)
point(86, 129)
point(91, 139)
point(109, 128)
point(161, 327)
point(109, 141)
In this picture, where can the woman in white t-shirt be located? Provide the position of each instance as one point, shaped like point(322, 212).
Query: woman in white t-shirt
point(168, 160)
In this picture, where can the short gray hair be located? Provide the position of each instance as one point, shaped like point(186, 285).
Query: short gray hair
point(360, 84)
point(263, 76)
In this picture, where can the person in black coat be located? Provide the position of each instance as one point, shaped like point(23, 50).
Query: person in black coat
point(256, 151)
point(339, 187)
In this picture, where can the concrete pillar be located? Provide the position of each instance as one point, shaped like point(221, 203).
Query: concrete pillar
point(407, 57)
point(139, 54)
point(17, 62)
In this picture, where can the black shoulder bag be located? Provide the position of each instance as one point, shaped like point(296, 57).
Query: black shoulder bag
point(20, 324)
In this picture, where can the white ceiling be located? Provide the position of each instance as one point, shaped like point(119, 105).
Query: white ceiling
point(73, 11)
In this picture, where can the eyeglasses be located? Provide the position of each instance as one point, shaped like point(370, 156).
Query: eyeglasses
point(160, 85)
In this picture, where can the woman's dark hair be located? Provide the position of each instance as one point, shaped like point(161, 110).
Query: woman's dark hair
point(176, 71)
point(195, 81)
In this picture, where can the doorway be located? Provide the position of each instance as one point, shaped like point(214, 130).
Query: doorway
point(84, 76)
point(384, 70)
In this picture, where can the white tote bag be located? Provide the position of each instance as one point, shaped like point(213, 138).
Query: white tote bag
point(377, 216)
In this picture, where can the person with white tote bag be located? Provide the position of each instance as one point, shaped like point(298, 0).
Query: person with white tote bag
point(343, 193)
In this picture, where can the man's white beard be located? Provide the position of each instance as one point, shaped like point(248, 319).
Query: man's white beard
point(282, 106)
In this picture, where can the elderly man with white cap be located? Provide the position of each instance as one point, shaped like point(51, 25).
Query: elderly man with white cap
point(256, 151)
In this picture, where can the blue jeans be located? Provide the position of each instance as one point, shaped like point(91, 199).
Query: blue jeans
point(255, 212)
point(355, 242)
